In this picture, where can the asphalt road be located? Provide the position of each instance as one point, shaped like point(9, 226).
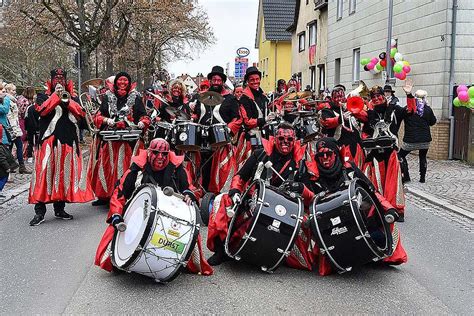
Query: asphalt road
point(49, 269)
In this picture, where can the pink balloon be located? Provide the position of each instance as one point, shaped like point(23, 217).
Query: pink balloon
point(370, 65)
point(374, 60)
point(460, 88)
point(463, 96)
point(401, 75)
point(406, 69)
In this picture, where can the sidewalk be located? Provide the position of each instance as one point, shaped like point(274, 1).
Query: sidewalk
point(449, 184)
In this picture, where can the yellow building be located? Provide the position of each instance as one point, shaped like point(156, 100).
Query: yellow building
point(273, 41)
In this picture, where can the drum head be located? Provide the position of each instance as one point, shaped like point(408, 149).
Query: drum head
point(244, 218)
point(137, 217)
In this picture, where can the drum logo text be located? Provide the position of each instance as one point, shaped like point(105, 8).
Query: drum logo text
point(339, 230)
point(163, 242)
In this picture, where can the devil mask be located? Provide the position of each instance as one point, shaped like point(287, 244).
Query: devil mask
point(58, 76)
point(122, 84)
point(158, 154)
point(285, 140)
point(327, 156)
point(338, 96)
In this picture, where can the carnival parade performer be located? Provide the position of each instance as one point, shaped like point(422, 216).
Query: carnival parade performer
point(59, 176)
point(285, 153)
point(328, 173)
point(382, 166)
point(160, 166)
point(217, 175)
point(121, 109)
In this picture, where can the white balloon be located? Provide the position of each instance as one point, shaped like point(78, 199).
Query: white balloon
point(398, 57)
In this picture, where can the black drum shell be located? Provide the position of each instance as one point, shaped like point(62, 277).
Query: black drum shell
point(218, 135)
point(193, 139)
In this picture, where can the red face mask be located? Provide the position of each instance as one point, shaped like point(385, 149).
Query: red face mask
point(254, 82)
point(122, 85)
point(158, 154)
point(326, 157)
point(338, 97)
point(58, 79)
point(378, 99)
point(285, 141)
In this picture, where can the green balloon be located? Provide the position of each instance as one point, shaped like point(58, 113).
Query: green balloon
point(471, 102)
point(379, 67)
point(470, 91)
point(364, 61)
point(457, 102)
point(393, 51)
point(398, 68)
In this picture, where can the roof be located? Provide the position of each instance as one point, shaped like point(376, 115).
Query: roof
point(293, 25)
point(278, 15)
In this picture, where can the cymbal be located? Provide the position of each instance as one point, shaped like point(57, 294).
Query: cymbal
point(303, 94)
point(180, 115)
point(210, 98)
point(95, 82)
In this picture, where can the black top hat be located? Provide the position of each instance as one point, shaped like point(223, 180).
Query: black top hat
point(388, 88)
point(252, 71)
point(217, 70)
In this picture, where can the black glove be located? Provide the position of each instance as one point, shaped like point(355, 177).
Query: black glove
point(233, 192)
point(191, 196)
point(115, 219)
point(293, 186)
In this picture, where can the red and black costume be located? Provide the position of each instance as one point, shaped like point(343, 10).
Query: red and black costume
point(382, 167)
point(161, 167)
point(285, 155)
point(343, 127)
point(59, 174)
point(328, 173)
point(120, 106)
point(217, 175)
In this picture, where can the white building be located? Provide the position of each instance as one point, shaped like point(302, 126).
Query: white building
point(359, 29)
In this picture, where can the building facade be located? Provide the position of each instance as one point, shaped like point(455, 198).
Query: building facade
point(273, 41)
point(423, 31)
point(309, 43)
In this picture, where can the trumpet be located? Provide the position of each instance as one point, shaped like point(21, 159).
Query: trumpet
point(65, 96)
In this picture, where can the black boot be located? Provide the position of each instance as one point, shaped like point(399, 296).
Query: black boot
point(423, 173)
point(219, 256)
point(59, 211)
point(405, 172)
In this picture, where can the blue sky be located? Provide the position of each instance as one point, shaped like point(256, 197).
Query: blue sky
point(234, 23)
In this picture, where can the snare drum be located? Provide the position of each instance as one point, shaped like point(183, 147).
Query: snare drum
point(264, 228)
point(350, 228)
point(218, 135)
point(160, 236)
point(187, 136)
point(162, 130)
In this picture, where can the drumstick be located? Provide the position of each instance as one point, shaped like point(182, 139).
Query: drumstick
point(269, 165)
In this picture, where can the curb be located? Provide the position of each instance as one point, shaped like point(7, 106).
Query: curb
point(440, 202)
point(24, 187)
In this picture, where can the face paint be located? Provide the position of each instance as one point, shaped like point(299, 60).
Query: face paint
point(285, 141)
point(254, 82)
point(378, 99)
point(326, 157)
point(122, 85)
point(338, 96)
point(158, 154)
point(58, 79)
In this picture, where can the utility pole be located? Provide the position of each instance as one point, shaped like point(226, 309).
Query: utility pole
point(389, 41)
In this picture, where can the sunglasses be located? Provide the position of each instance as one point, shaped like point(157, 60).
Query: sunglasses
point(288, 139)
point(163, 153)
point(322, 154)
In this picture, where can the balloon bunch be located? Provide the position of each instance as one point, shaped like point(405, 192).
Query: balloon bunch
point(465, 97)
point(375, 65)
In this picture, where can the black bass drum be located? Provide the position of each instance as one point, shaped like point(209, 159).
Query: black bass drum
point(349, 227)
point(264, 227)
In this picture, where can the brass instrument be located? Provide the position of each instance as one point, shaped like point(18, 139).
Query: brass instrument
point(88, 107)
point(65, 96)
point(362, 90)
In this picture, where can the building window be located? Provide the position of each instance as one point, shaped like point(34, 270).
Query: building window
point(339, 9)
point(352, 6)
point(312, 34)
point(356, 65)
point(337, 71)
point(301, 41)
point(313, 77)
point(322, 77)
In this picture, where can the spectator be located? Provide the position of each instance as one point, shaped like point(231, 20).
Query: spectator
point(25, 100)
point(238, 91)
point(417, 136)
point(16, 132)
point(7, 163)
point(32, 124)
point(4, 109)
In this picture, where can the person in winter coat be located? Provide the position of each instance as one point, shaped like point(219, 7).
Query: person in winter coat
point(417, 136)
point(24, 101)
point(32, 124)
point(4, 109)
point(16, 132)
point(7, 163)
